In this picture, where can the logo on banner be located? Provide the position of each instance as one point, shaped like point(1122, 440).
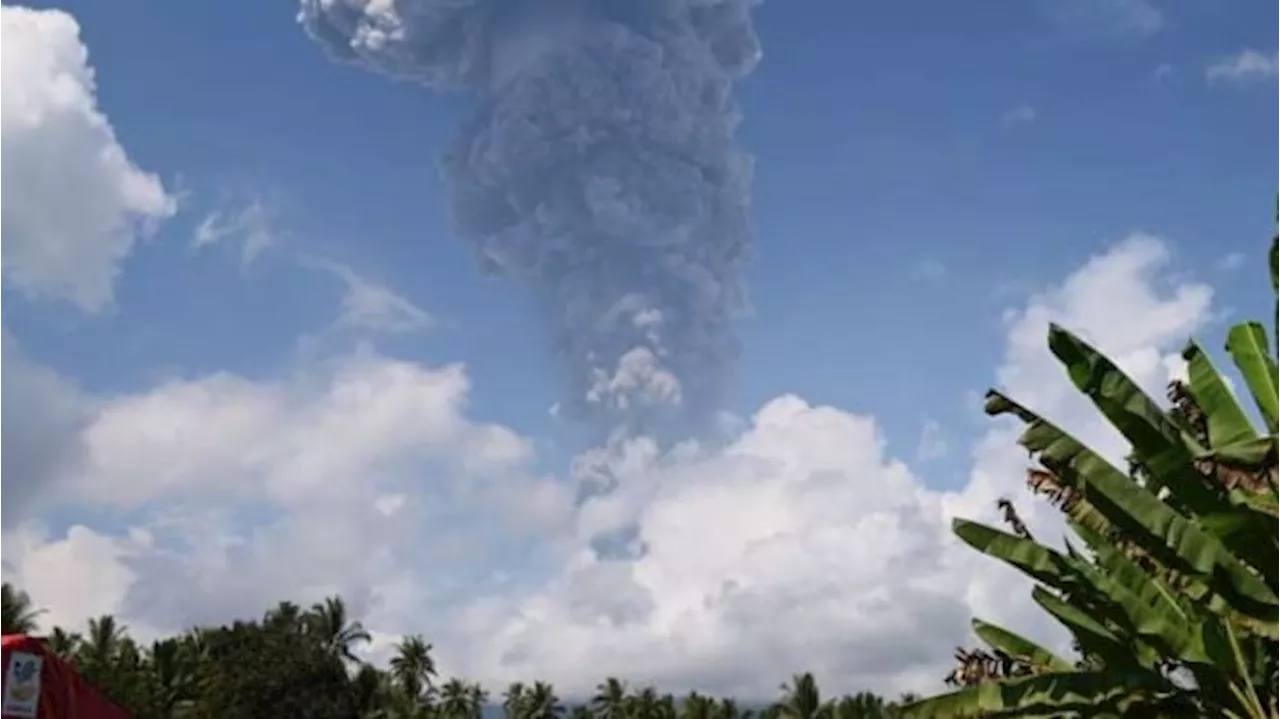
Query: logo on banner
point(22, 685)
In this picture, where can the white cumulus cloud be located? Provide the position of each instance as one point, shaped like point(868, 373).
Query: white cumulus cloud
point(340, 476)
point(43, 415)
point(800, 544)
point(797, 544)
point(77, 203)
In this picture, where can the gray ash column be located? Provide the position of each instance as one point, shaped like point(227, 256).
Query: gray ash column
point(599, 170)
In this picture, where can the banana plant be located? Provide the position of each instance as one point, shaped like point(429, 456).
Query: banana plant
point(1171, 594)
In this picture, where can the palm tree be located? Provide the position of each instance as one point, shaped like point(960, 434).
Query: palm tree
point(195, 646)
point(455, 700)
point(863, 705)
point(412, 667)
point(801, 699)
point(331, 622)
point(697, 706)
point(62, 643)
point(96, 658)
point(101, 641)
point(515, 701)
point(543, 702)
point(610, 701)
point(646, 704)
point(285, 616)
point(129, 676)
point(728, 709)
point(477, 697)
point(368, 693)
point(16, 613)
point(104, 635)
point(667, 707)
point(894, 708)
point(174, 674)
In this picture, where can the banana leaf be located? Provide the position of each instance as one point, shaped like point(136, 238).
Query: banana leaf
point(1151, 524)
point(1164, 449)
point(1094, 638)
point(1247, 345)
point(1020, 647)
point(1155, 609)
point(1160, 624)
point(1060, 694)
point(1228, 423)
point(1031, 558)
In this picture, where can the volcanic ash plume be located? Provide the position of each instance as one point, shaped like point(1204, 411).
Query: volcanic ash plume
point(598, 169)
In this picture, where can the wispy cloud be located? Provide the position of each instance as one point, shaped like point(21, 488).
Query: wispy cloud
point(1243, 68)
point(1019, 115)
point(1232, 261)
point(933, 443)
point(1117, 18)
point(929, 268)
point(370, 306)
point(249, 225)
point(366, 305)
point(1163, 73)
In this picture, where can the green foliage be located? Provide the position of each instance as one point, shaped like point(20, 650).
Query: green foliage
point(1172, 601)
point(16, 613)
point(301, 664)
point(249, 672)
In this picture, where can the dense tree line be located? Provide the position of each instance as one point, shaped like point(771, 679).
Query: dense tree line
point(301, 663)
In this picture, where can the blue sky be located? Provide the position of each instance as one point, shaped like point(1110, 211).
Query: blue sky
point(884, 147)
point(922, 168)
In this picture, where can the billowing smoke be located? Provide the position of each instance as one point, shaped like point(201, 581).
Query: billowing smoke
point(598, 168)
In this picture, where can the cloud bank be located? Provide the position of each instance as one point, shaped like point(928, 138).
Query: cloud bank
point(800, 544)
